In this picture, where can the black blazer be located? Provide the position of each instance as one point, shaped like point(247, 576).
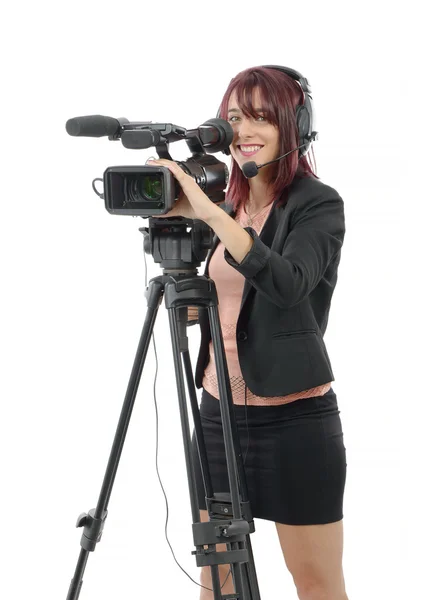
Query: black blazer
point(290, 274)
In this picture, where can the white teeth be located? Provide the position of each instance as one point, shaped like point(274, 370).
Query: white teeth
point(250, 148)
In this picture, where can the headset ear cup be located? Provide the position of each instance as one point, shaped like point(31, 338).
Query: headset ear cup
point(303, 112)
point(303, 126)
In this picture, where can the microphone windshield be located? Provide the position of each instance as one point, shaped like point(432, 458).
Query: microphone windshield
point(250, 169)
point(92, 126)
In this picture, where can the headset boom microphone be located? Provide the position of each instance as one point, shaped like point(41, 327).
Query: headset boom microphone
point(250, 169)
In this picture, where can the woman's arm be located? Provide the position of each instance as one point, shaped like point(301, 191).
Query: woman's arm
point(236, 239)
point(313, 242)
point(194, 204)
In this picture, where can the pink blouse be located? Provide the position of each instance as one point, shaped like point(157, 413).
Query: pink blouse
point(229, 284)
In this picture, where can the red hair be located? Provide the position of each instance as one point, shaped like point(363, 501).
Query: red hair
point(280, 95)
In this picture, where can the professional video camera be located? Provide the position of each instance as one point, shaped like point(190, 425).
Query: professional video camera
point(152, 190)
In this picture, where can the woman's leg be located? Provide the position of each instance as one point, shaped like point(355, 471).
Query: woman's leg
point(313, 555)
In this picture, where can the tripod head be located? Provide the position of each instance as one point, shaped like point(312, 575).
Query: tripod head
point(177, 250)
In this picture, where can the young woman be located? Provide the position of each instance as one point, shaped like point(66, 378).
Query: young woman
point(275, 267)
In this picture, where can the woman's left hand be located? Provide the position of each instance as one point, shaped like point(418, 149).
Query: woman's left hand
point(192, 202)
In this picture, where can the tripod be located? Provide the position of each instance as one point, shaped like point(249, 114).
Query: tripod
point(180, 253)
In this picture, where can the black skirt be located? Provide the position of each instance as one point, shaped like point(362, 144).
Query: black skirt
point(295, 458)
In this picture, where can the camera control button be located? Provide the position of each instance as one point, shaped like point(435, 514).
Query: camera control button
point(242, 336)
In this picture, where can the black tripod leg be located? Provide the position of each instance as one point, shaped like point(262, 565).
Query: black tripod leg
point(93, 522)
point(179, 345)
point(202, 453)
point(178, 319)
point(244, 574)
point(229, 429)
point(197, 423)
point(233, 530)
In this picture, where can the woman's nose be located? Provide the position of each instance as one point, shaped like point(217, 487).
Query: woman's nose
point(245, 128)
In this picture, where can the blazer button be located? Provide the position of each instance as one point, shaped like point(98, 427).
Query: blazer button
point(242, 336)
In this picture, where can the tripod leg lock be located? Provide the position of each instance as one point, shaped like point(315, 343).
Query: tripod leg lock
point(93, 529)
point(236, 527)
point(210, 533)
point(220, 507)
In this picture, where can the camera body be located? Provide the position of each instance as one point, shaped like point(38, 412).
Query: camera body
point(153, 190)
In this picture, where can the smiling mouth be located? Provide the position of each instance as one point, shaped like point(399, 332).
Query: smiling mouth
point(249, 150)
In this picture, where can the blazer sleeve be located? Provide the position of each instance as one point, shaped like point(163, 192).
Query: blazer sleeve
point(314, 240)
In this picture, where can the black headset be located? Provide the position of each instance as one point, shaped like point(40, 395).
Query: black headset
point(304, 112)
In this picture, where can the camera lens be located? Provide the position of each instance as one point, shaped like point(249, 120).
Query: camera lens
point(150, 186)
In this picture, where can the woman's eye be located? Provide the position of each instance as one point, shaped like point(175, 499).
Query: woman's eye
point(231, 119)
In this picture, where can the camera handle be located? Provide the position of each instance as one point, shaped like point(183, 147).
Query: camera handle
point(230, 516)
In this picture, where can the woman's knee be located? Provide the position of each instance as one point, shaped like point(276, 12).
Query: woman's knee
point(313, 556)
point(311, 585)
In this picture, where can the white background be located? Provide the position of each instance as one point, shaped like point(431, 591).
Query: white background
point(72, 278)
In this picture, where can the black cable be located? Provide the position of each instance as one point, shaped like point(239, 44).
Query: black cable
point(246, 423)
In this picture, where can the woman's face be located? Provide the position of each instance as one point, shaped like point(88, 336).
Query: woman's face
point(254, 138)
